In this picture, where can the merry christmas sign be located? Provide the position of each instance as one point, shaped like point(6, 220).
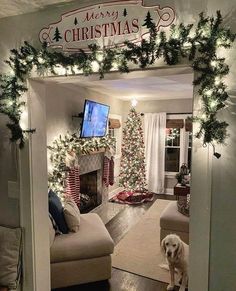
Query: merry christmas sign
point(107, 24)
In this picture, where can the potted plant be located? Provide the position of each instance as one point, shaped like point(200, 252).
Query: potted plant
point(179, 177)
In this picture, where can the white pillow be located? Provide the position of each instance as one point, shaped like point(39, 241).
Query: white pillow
point(10, 256)
point(72, 214)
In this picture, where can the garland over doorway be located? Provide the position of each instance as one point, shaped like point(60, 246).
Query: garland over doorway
point(197, 43)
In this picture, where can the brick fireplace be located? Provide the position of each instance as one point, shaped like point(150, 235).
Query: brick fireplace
point(91, 167)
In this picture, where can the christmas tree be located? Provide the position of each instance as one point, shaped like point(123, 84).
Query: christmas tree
point(57, 35)
point(132, 170)
point(148, 21)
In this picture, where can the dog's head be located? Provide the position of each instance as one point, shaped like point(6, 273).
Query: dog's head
point(172, 246)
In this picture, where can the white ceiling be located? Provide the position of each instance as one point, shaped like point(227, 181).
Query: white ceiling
point(15, 7)
point(142, 85)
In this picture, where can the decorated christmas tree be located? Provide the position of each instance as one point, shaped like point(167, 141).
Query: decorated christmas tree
point(132, 170)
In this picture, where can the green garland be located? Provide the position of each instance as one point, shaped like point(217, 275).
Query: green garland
point(71, 143)
point(198, 44)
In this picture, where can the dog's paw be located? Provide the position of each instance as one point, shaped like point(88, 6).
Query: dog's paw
point(170, 287)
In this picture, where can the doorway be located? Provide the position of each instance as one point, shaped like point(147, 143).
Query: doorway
point(40, 114)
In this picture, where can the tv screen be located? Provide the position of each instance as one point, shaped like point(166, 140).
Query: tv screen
point(95, 119)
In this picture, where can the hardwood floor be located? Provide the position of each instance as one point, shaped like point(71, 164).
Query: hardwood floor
point(119, 224)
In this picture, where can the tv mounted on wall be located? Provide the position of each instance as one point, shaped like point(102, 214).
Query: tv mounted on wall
point(95, 119)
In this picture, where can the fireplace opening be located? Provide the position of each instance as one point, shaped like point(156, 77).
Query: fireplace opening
point(88, 192)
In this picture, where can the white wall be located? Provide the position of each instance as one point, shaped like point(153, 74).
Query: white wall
point(64, 101)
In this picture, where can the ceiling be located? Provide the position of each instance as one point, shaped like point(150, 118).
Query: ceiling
point(16, 7)
point(141, 85)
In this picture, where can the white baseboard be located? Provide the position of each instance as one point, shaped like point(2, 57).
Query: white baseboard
point(169, 191)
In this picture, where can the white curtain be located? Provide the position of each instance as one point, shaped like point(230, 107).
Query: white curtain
point(154, 139)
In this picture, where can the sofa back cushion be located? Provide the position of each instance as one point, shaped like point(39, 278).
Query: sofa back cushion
point(72, 214)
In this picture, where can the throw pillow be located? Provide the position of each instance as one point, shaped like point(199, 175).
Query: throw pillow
point(10, 256)
point(72, 214)
point(56, 210)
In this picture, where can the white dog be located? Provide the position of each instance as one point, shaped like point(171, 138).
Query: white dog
point(176, 253)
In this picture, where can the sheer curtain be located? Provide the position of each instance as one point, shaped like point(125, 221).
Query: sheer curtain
point(154, 139)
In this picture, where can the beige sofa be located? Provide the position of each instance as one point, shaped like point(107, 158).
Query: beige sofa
point(172, 221)
point(81, 257)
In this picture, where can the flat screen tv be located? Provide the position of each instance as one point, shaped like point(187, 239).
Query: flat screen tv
point(94, 119)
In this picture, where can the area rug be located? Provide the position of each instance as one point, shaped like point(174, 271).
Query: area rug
point(132, 198)
point(139, 251)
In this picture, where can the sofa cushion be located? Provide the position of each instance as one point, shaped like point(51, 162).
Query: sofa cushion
point(91, 241)
point(56, 210)
point(172, 219)
point(10, 256)
point(72, 214)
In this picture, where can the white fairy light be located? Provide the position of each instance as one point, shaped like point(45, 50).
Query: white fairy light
point(59, 70)
point(114, 66)
point(76, 70)
point(213, 103)
point(95, 66)
point(100, 57)
point(209, 92)
point(217, 80)
point(187, 44)
point(24, 62)
point(203, 116)
point(30, 58)
point(41, 60)
point(9, 103)
point(213, 63)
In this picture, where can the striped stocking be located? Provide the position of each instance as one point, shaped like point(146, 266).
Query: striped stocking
point(73, 184)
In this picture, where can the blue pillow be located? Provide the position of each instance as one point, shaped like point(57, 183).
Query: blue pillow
point(56, 210)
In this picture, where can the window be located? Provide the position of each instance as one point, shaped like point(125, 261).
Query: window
point(172, 150)
point(178, 147)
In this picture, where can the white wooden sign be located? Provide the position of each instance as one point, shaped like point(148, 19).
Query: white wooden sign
point(106, 24)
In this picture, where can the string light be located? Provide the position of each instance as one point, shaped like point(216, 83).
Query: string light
point(60, 70)
point(213, 104)
point(217, 81)
point(41, 60)
point(95, 66)
point(214, 63)
point(100, 57)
